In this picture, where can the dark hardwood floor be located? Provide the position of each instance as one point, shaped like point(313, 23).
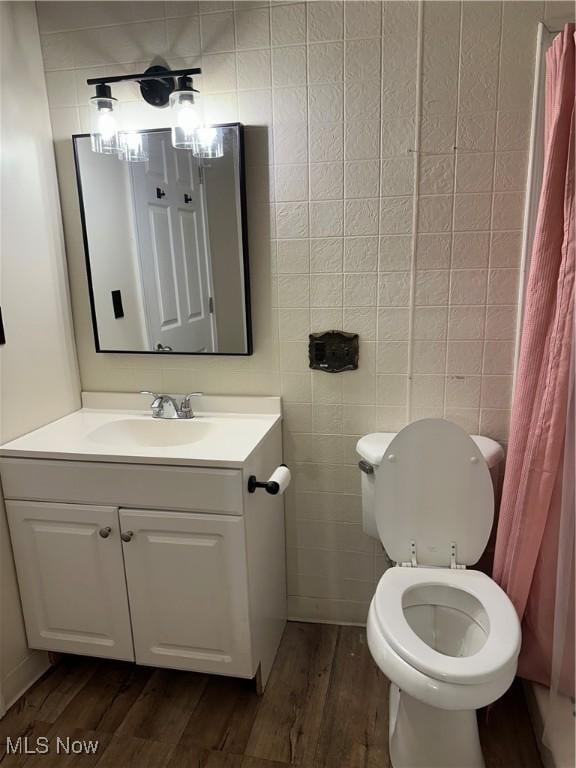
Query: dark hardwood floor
point(325, 706)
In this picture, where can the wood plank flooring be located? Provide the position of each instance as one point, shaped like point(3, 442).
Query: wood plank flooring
point(325, 706)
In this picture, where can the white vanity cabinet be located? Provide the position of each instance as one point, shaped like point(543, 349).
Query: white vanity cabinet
point(165, 565)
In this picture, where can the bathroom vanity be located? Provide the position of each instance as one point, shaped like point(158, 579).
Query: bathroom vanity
point(136, 538)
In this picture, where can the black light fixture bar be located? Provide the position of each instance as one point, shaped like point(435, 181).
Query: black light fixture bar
point(157, 75)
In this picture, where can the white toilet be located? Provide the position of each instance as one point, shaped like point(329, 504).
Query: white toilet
point(447, 638)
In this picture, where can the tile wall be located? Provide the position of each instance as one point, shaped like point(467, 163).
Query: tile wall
point(386, 152)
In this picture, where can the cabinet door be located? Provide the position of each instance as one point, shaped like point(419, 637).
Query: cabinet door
point(187, 589)
point(71, 578)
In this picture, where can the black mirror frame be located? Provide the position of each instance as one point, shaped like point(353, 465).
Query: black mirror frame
point(245, 256)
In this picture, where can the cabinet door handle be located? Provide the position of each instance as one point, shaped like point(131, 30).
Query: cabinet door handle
point(127, 535)
point(105, 532)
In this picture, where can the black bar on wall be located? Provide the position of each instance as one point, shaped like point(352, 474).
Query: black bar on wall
point(2, 333)
point(117, 304)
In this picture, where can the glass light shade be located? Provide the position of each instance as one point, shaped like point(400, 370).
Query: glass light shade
point(208, 142)
point(186, 118)
point(104, 131)
point(133, 146)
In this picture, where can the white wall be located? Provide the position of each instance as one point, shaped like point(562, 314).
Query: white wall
point(38, 374)
point(348, 227)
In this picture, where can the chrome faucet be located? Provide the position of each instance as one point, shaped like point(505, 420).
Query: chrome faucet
point(165, 407)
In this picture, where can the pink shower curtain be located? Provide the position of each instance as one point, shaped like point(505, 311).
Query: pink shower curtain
point(527, 544)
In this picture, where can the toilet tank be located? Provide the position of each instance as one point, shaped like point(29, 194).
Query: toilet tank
point(371, 448)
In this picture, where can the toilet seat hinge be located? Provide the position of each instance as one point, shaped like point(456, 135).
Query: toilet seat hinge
point(453, 563)
point(413, 562)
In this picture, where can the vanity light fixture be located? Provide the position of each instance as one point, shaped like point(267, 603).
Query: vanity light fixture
point(158, 87)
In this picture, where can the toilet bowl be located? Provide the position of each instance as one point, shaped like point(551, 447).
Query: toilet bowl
point(447, 638)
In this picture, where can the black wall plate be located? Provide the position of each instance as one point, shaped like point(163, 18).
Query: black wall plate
point(333, 351)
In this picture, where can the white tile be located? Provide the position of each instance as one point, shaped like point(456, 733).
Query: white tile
point(466, 322)
point(325, 103)
point(433, 251)
point(288, 23)
point(397, 176)
point(326, 181)
point(363, 60)
point(253, 69)
point(62, 16)
point(252, 28)
point(292, 220)
point(325, 20)
point(293, 290)
point(397, 133)
point(290, 105)
point(294, 325)
point(427, 390)
point(434, 213)
point(293, 256)
point(361, 320)
point(291, 143)
point(326, 255)
point(326, 218)
point(436, 174)
point(437, 133)
point(325, 63)
point(361, 217)
point(432, 287)
point(360, 290)
point(326, 290)
point(360, 254)
point(289, 65)
point(468, 286)
point(502, 286)
point(474, 172)
point(391, 389)
point(464, 357)
point(362, 19)
point(470, 249)
point(480, 44)
point(362, 100)
point(395, 253)
point(495, 423)
point(507, 210)
point(219, 72)
point(183, 37)
point(395, 215)
point(505, 249)
point(255, 109)
point(476, 132)
point(440, 62)
point(430, 323)
point(361, 140)
point(501, 323)
point(498, 357)
point(361, 178)
point(393, 323)
point(393, 289)
point(217, 30)
point(429, 356)
point(472, 212)
point(463, 391)
point(326, 142)
point(392, 356)
point(291, 182)
point(496, 391)
point(510, 171)
point(513, 130)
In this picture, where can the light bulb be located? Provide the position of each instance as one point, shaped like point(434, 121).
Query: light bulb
point(133, 146)
point(104, 130)
point(208, 142)
point(185, 118)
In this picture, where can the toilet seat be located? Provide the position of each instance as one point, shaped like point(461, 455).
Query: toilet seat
point(502, 643)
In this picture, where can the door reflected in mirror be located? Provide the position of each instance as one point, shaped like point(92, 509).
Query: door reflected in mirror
point(165, 242)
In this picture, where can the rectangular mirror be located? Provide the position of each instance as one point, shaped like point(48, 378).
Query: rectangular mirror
point(166, 248)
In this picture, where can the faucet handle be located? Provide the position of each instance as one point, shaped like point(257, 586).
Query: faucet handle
point(185, 407)
point(152, 394)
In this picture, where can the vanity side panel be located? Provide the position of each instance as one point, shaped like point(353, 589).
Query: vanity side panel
point(266, 554)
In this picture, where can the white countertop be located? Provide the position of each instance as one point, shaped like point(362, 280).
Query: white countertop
point(212, 438)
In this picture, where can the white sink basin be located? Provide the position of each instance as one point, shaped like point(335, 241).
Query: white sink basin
point(223, 433)
point(152, 433)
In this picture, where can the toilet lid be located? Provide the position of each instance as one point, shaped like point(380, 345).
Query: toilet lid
point(433, 488)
